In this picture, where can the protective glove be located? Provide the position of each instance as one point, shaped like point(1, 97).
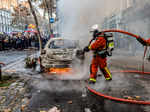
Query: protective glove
point(141, 40)
point(86, 49)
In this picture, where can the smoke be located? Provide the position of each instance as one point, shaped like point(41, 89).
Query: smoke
point(77, 16)
point(136, 20)
point(58, 85)
point(75, 20)
point(78, 72)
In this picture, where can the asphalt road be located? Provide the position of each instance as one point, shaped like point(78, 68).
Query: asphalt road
point(50, 93)
point(9, 57)
point(70, 95)
point(14, 60)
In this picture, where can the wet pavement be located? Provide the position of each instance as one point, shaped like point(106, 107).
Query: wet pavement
point(8, 57)
point(15, 60)
point(125, 85)
point(70, 95)
point(65, 95)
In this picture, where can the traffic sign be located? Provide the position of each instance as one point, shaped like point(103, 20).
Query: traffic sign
point(52, 20)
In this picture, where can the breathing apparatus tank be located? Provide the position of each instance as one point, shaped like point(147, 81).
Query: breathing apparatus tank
point(109, 43)
point(108, 37)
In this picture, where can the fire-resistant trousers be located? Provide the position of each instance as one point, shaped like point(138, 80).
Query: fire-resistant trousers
point(100, 62)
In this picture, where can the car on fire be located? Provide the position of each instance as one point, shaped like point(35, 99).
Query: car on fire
point(60, 55)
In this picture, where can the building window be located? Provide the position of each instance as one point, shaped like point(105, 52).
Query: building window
point(0, 19)
point(2, 28)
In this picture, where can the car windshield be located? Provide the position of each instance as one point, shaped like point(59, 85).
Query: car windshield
point(62, 44)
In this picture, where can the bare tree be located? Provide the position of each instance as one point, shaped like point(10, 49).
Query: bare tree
point(44, 5)
point(36, 23)
point(21, 13)
point(47, 6)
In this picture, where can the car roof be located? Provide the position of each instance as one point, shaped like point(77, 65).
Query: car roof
point(58, 38)
point(54, 38)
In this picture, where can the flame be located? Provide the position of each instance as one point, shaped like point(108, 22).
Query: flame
point(60, 71)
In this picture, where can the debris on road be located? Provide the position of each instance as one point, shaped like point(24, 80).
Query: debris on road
point(54, 109)
point(13, 97)
point(129, 97)
point(137, 97)
point(69, 102)
point(132, 98)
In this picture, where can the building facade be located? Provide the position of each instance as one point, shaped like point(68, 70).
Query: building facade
point(8, 4)
point(135, 19)
point(5, 21)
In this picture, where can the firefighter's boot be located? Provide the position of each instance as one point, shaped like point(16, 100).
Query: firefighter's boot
point(92, 81)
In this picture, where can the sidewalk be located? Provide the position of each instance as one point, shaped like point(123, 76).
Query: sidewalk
point(127, 60)
point(128, 52)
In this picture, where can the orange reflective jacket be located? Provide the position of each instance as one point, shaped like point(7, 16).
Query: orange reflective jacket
point(99, 44)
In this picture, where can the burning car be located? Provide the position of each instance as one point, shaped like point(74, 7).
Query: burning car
point(60, 55)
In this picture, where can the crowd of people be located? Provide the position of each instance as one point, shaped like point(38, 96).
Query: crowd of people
point(20, 41)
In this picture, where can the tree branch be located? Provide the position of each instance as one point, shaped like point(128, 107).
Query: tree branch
point(36, 23)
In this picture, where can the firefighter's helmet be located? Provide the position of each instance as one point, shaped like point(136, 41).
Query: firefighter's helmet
point(95, 27)
point(95, 30)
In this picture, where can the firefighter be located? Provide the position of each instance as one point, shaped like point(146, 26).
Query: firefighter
point(99, 56)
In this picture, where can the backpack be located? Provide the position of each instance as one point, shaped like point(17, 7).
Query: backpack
point(109, 43)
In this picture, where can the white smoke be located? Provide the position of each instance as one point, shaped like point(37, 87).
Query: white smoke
point(75, 20)
point(58, 85)
point(77, 16)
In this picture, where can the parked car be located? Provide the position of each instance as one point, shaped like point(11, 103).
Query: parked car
point(60, 55)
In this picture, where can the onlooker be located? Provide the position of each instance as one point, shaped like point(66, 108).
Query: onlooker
point(20, 42)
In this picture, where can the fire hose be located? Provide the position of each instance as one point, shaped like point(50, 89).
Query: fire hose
point(123, 71)
point(132, 35)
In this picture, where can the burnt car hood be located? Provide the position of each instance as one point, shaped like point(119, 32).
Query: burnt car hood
point(61, 54)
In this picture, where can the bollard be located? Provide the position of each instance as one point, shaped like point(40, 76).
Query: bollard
point(41, 66)
point(0, 72)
